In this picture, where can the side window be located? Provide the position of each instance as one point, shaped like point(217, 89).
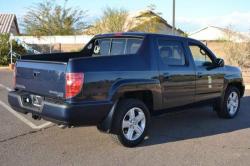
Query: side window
point(118, 47)
point(171, 53)
point(133, 46)
point(115, 46)
point(200, 56)
point(101, 47)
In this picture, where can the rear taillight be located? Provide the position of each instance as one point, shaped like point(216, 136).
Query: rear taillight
point(14, 77)
point(74, 83)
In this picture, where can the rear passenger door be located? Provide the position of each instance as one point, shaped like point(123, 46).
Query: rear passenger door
point(177, 74)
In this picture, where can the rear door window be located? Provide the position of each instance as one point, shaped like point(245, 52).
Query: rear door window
point(171, 53)
point(115, 46)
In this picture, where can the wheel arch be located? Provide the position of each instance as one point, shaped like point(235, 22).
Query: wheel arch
point(238, 84)
point(147, 92)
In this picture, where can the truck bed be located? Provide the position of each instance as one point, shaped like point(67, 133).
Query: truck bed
point(55, 57)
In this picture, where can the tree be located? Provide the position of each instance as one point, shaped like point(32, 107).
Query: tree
point(5, 49)
point(112, 20)
point(49, 18)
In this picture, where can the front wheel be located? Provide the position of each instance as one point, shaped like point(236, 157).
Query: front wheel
point(131, 122)
point(231, 103)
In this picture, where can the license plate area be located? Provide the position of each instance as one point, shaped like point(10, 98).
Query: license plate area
point(37, 100)
point(32, 101)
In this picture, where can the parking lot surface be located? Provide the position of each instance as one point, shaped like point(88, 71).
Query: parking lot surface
point(190, 137)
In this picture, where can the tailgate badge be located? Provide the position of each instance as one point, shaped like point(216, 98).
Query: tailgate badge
point(36, 73)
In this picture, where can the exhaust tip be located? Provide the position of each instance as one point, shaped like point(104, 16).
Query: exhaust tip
point(63, 126)
point(36, 117)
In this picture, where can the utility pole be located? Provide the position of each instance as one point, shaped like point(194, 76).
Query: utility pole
point(173, 26)
point(11, 48)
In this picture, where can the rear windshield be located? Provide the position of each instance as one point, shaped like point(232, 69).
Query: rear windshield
point(115, 46)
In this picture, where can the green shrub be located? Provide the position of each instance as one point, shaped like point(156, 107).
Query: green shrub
point(5, 49)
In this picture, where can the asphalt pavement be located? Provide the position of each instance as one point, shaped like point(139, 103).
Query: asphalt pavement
point(190, 137)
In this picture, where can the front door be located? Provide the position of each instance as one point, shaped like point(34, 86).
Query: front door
point(209, 78)
point(177, 75)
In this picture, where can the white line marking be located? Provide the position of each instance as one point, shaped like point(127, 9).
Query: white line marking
point(5, 87)
point(23, 119)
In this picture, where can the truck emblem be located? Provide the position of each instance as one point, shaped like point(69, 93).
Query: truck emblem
point(36, 73)
point(209, 82)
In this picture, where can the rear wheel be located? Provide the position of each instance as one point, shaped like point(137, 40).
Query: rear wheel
point(230, 105)
point(131, 122)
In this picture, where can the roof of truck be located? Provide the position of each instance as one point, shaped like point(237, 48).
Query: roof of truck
point(142, 34)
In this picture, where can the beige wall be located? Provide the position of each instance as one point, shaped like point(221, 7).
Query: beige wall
point(217, 48)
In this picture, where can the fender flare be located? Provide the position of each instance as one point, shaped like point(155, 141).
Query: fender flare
point(116, 92)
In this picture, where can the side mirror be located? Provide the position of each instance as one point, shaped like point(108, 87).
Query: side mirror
point(220, 62)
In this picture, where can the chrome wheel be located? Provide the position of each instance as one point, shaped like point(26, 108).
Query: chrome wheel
point(133, 124)
point(232, 103)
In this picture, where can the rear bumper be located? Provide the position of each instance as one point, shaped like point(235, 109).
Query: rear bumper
point(63, 113)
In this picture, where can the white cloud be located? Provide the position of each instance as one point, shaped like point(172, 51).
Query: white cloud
point(240, 21)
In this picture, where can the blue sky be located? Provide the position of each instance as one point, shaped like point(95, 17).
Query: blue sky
point(191, 15)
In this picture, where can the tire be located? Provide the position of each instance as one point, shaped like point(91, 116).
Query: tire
point(130, 122)
point(229, 105)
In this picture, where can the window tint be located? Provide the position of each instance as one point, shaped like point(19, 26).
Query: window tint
point(199, 55)
point(133, 45)
point(116, 46)
point(101, 47)
point(171, 52)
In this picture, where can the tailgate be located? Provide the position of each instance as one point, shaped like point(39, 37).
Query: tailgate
point(41, 77)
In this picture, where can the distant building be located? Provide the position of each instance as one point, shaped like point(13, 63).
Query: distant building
point(144, 21)
point(212, 33)
point(8, 24)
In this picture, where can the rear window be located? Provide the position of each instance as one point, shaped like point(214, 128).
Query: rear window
point(115, 46)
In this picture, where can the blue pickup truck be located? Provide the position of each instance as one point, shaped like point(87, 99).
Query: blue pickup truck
point(118, 81)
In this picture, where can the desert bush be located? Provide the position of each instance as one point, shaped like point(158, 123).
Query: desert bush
point(238, 53)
